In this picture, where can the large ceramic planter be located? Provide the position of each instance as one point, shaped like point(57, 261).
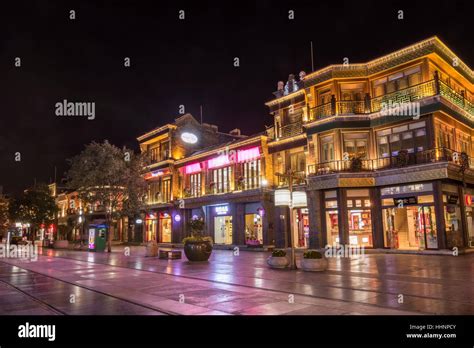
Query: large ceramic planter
point(314, 265)
point(278, 261)
point(61, 244)
point(198, 251)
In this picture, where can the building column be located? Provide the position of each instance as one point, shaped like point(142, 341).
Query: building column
point(342, 216)
point(238, 225)
point(282, 227)
point(462, 203)
point(376, 213)
point(315, 209)
point(439, 212)
point(268, 222)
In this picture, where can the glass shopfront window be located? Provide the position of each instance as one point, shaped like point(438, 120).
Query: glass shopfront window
point(359, 217)
point(452, 218)
point(223, 229)
point(253, 229)
point(469, 207)
point(332, 216)
point(165, 228)
point(408, 216)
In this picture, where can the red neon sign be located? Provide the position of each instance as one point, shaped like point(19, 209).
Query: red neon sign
point(218, 161)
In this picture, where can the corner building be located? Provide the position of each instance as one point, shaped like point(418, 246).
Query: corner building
point(399, 177)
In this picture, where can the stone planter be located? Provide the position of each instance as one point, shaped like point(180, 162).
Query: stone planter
point(61, 244)
point(314, 265)
point(278, 262)
point(198, 251)
point(151, 249)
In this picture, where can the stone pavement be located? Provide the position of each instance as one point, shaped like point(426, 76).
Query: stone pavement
point(244, 284)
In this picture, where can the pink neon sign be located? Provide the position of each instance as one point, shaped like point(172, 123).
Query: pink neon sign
point(248, 155)
point(192, 168)
point(218, 161)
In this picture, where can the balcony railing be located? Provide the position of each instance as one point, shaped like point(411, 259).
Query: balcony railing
point(406, 95)
point(291, 129)
point(401, 160)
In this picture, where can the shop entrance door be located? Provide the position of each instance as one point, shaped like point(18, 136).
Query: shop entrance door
point(410, 228)
point(223, 229)
point(165, 228)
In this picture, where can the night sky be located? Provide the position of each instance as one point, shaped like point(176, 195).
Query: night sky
point(176, 62)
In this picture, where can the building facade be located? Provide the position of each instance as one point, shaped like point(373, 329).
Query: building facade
point(382, 151)
point(388, 148)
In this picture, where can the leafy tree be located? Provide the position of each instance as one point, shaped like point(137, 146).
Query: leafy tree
point(35, 206)
point(105, 175)
point(4, 215)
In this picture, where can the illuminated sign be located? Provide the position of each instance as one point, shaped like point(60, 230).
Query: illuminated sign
point(222, 209)
point(156, 173)
point(192, 168)
point(248, 155)
point(282, 197)
point(299, 199)
point(218, 161)
point(468, 199)
point(189, 138)
point(177, 218)
point(91, 238)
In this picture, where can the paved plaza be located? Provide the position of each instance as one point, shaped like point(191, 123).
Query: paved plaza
point(80, 282)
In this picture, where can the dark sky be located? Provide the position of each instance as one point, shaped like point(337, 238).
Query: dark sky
point(177, 62)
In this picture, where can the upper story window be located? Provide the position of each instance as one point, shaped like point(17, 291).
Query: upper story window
point(463, 142)
point(298, 162)
point(327, 149)
point(445, 136)
point(159, 191)
point(397, 81)
point(355, 144)
point(324, 96)
point(192, 186)
point(251, 172)
point(410, 137)
point(159, 151)
point(221, 180)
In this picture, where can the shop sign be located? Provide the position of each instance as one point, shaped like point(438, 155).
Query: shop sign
point(282, 197)
point(468, 200)
point(299, 199)
point(222, 209)
point(189, 138)
point(453, 199)
point(402, 201)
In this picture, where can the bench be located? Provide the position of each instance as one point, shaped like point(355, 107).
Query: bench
point(168, 253)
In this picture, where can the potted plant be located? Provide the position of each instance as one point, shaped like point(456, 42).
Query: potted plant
point(278, 259)
point(313, 260)
point(197, 247)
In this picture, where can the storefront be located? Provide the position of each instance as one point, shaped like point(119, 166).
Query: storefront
point(331, 217)
point(151, 222)
point(164, 228)
point(408, 215)
point(469, 210)
point(254, 224)
point(359, 217)
point(452, 216)
point(301, 226)
point(222, 224)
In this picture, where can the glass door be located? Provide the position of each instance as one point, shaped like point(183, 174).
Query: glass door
point(428, 226)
